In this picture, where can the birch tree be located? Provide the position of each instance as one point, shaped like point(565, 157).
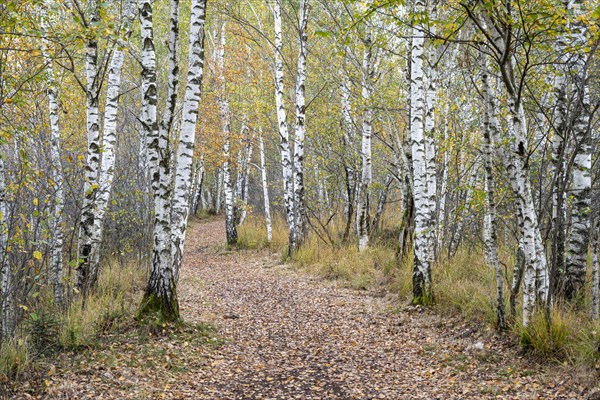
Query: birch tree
point(5, 271)
point(186, 140)
point(286, 157)
point(299, 231)
point(578, 238)
point(265, 187)
point(230, 220)
point(422, 291)
point(364, 185)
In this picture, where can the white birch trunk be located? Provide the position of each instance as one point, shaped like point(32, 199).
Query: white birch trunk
point(160, 296)
point(6, 317)
point(186, 139)
point(364, 187)
point(57, 235)
point(421, 268)
point(230, 223)
point(109, 141)
point(349, 160)
point(431, 78)
point(286, 157)
point(92, 166)
point(299, 196)
point(578, 238)
point(246, 180)
point(267, 204)
point(199, 182)
point(490, 225)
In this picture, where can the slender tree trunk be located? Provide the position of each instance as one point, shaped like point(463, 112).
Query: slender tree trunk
point(349, 161)
point(6, 315)
point(197, 199)
point(578, 238)
point(299, 196)
point(109, 141)
point(286, 158)
point(430, 149)
point(364, 187)
point(57, 235)
point(92, 166)
point(185, 151)
point(219, 191)
point(443, 226)
point(381, 202)
point(230, 220)
point(246, 180)
point(490, 224)
point(263, 170)
point(422, 291)
point(596, 271)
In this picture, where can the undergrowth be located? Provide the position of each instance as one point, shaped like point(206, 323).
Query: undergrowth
point(49, 329)
point(463, 285)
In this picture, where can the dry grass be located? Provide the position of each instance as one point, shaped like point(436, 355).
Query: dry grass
point(113, 301)
point(463, 285)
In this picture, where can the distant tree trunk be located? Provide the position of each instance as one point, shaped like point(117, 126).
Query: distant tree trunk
point(364, 186)
point(490, 223)
point(422, 291)
point(199, 182)
point(219, 190)
point(381, 202)
point(230, 220)
point(263, 170)
point(187, 131)
point(6, 317)
point(443, 228)
point(299, 196)
point(595, 270)
point(286, 158)
point(349, 162)
point(246, 179)
point(457, 233)
point(57, 235)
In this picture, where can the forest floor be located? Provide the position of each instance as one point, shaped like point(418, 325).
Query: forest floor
point(282, 334)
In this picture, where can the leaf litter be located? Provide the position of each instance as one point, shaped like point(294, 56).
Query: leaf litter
point(256, 329)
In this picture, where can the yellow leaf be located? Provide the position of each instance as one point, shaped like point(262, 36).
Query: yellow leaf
point(37, 255)
point(35, 201)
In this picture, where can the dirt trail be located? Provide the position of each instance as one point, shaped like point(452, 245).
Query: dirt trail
point(295, 336)
point(292, 336)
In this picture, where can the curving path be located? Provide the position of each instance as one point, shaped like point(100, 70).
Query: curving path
point(292, 336)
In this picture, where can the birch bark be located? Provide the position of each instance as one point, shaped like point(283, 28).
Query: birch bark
point(230, 222)
point(578, 238)
point(57, 235)
point(267, 204)
point(186, 139)
point(421, 268)
point(490, 225)
point(92, 166)
point(300, 133)
point(6, 319)
point(364, 186)
point(109, 140)
point(286, 158)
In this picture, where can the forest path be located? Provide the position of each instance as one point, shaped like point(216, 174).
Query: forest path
point(293, 336)
point(287, 335)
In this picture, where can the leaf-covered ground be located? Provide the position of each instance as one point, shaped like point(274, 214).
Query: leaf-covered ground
point(285, 335)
